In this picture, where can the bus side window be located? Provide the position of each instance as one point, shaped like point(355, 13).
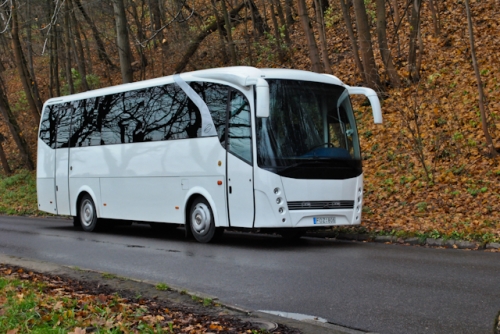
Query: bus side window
point(84, 130)
point(48, 126)
point(63, 112)
point(216, 98)
point(240, 131)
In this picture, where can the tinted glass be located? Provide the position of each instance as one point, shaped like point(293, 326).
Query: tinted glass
point(240, 131)
point(84, 131)
point(310, 132)
point(48, 126)
point(156, 113)
point(215, 97)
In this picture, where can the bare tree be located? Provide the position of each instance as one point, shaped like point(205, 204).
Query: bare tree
point(15, 130)
point(352, 38)
point(311, 41)
point(3, 157)
point(32, 96)
point(365, 43)
point(383, 45)
point(484, 121)
point(414, 73)
point(122, 40)
point(320, 25)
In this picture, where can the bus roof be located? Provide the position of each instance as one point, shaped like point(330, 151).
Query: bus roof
point(242, 76)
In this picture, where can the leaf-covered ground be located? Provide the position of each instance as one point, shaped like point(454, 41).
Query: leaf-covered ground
point(39, 303)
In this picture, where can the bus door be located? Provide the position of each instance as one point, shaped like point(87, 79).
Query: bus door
point(239, 162)
point(62, 158)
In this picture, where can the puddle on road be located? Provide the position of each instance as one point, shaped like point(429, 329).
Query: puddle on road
point(295, 316)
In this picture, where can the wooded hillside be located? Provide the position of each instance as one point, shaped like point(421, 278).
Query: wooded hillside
point(430, 170)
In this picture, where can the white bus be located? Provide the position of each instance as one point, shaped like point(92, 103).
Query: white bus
point(236, 147)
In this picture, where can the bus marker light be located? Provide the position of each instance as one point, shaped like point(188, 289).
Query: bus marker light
point(219, 163)
point(104, 204)
point(176, 208)
point(219, 182)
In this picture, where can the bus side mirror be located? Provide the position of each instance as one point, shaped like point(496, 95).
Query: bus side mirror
point(263, 100)
point(372, 97)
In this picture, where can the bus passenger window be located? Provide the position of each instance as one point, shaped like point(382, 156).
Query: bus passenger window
point(240, 131)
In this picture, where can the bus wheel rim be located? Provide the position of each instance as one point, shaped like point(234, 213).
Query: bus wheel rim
point(87, 213)
point(201, 218)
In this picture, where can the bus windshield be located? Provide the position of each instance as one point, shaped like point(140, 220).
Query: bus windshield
point(310, 132)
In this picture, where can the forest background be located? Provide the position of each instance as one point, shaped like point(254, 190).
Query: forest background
point(431, 170)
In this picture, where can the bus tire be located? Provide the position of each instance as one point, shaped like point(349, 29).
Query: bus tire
point(201, 220)
point(87, 215)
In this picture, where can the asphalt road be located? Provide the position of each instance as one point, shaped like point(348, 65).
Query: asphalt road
point(367, 286)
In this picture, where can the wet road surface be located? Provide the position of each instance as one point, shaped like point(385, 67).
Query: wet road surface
point(367, 286)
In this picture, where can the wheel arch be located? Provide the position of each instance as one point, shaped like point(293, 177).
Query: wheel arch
point(200, 192)
point(82, 191)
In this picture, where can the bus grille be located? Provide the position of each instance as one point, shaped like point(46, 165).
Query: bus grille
point(325, 205)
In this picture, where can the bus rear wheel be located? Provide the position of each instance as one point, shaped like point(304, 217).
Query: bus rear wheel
point(201, 221)
point(87, 215)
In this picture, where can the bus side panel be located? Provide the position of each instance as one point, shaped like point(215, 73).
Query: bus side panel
point(149, 181)
point(45, 183)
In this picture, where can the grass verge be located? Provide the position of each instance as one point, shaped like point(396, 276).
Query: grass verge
point(37, 303)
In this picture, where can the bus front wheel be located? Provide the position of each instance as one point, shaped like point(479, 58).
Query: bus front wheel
point(201, 220)
point(87, 216)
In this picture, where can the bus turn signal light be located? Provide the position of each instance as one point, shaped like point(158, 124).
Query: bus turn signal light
point(219, 183)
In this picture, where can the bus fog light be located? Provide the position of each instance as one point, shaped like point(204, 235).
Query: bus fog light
point(276, 191)
point(359, 198)
point(281, 210)
point(357, 217)
point(359, 190)
point(283, 220)
point(278, 200)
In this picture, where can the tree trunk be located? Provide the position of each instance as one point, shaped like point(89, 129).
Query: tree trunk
point(259, 24)
point(15, 130)
point(383, 45)
point(229, 34)
point(365, 44)
point(414, 74)
point(3, 158)
point(289, 12)
point(311, 41)
point(122, 40)
point(141, 37)
point(277, 35)
point(26, 79)
point(435, 18)
point(67, 41)
point(320, 23)
point(395, 10)
point(29, 42)
point(484, 121)
point(222, 42)
point(283, 22)
point(101, 51)
point(80, 55)
point(195, 43)
point(352, 38)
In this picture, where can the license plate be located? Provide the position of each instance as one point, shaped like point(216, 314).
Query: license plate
point(324, 220)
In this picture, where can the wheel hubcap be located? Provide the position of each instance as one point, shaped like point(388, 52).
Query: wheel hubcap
point(201, 218)
point(87, 213)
